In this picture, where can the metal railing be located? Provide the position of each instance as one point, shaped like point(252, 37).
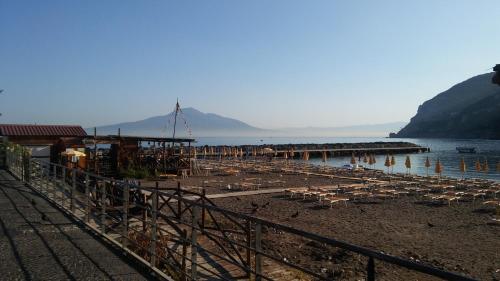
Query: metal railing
point(182, 235)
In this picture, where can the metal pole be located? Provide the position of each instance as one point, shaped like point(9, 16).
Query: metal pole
point(154, 208)
point(194, 243)
point(258, 249)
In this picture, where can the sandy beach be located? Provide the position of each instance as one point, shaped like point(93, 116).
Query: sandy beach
point(457, 235)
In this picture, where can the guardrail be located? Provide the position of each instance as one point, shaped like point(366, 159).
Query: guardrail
point(181, 234)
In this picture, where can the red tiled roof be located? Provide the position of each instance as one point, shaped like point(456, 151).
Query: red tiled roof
point(42, 130)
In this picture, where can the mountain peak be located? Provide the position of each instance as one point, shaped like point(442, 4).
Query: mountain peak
point(469, 109)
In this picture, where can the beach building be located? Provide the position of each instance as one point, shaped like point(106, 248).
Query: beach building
point(46, 142)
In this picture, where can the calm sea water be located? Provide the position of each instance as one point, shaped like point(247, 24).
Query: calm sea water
point(444, 149)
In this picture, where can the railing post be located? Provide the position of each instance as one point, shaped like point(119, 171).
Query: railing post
point(194, 242)
point(103, 208)
point(154, 209)
point(370, 270)
point(126, 195)
point(249, 245)
point(179, 201)
point(145, 213)
point(28, 169)
point(184, 253)
point(258, 249)
point(73, 190)
point(54, 180)
point(203, 211)
point(62, 184)
point(87, 198)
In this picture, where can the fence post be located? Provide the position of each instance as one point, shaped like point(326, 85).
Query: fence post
point(258, 249)
point(370, 270)
point(103, 208)
point(184, 253)
point(87, 198)
point(126, 195)
point(154, 209)
point(194, 242)
point(249, 245)
point(73, 190)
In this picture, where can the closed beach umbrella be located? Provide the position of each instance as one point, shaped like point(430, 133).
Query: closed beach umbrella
point(486, 168)
point(324, 156)
point(285, 155)
point(478, 166)
point(292, 153)
point(439, 168)
point(393, 163)
point(370, 160)
point(463, 167)
point(204, 151)
point(365, 158)
point(408, 163)
point(374, 160)
point(241, 152)
point(305, 156)
point(427, 164)
point(387, 163)
point(353, 159)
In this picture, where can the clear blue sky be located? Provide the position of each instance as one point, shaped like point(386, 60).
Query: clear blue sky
point(269, 63)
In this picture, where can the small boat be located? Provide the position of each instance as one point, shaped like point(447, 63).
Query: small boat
point(464, 149)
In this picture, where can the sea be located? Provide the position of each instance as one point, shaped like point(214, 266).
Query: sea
point(442, 149)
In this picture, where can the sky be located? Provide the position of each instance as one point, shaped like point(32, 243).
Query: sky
point(271, 64)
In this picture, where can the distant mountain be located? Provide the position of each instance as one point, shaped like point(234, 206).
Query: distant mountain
point(470, 109)
point(213, 125)
point(201, 124)
point(373, 130)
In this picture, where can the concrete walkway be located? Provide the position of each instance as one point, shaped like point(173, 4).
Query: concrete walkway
point(38, 242)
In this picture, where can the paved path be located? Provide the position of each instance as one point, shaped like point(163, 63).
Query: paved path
point(246, 193)
point(38, 242)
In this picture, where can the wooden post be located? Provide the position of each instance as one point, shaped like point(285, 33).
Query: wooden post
point(126, 194)
point(87, 198)
point(154, 210)
point(72, 193)
point(194, 243)
point(258, 249)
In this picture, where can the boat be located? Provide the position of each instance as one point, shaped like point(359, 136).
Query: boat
point(465, 149)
